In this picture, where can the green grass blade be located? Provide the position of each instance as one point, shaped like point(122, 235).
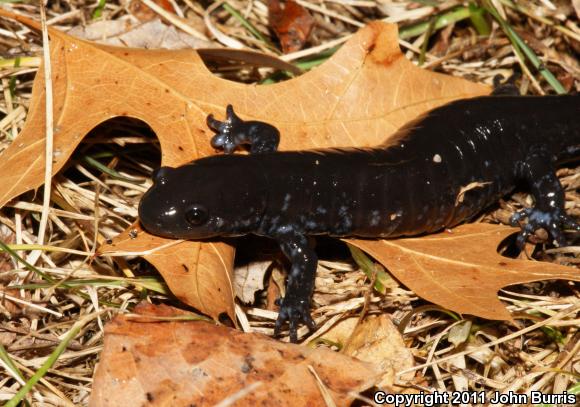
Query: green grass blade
point(315, 60)
point(24, 390)
point(432, 3)
point(249, 26)
point(31, 62)
point(425, 44)
point(27, 265)
point(46, 248)
point(526, 11)
point(98, 12)
point(9, 362)
point(150, 283)
point(521, 47)
point(443, 20)
point(369, 267)
point(575, 389)
point(12, 82)
point(478, 20)
point(109, 171)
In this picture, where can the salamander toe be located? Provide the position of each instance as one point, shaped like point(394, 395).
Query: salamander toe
point(553, 221)
point(293, 312)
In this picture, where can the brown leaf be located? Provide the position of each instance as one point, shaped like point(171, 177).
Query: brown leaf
point(249, 278)
point(197, 363)
point(126, 32)
point(362, 95)
point(144, 13)
point(375, 339)
point(292, 24)
point(460, 269)
point(191, 270)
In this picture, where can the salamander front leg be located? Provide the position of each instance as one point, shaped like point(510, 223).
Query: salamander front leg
point(295, 306)
point(233, 132)
point(548, 212)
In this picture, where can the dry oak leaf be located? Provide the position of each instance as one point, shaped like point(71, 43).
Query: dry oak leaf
point(377, 340)
point(145, 362)
point(291, 22)
point(198, 274)
point(363, 94)
point(460, 269)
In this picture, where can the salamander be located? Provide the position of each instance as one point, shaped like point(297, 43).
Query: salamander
point(437, 171)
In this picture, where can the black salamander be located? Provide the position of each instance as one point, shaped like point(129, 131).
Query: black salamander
point(434, 173)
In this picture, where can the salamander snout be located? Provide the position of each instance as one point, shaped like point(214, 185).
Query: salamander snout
point(161, 174)
point(158, 210)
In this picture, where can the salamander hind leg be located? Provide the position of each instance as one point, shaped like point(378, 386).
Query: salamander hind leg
point(295, 306)
point(508, 88)
point(234, 132)
point(548, 212)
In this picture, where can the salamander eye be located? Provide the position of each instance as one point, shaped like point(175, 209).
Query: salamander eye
point(196, 215)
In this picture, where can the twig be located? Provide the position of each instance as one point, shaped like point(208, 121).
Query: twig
point(34, 256)
point(175, 20)
point(564, 313)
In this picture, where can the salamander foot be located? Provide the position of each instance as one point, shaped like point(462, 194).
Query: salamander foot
point(234, 132)
point(554, 222)
point(507, 88)
point(225, 139)
point(294, 312)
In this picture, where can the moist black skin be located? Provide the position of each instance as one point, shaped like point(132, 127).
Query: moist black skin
point(435, 172)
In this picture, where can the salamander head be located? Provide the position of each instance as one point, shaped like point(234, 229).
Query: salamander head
point(201, 200)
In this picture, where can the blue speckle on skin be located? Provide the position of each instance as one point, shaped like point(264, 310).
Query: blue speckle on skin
point(311, 225)
point(320, 210)
point(286, 203)
point(540, 217)
point(375, 218)
point(274, 221)
point(285, 229)
point(345, 224)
